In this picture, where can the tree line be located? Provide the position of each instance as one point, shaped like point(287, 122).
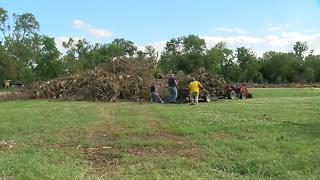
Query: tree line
point(27, 56)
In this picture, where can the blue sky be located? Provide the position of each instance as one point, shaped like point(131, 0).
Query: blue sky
point(258, 24)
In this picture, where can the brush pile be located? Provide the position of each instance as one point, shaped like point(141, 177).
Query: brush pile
point(214, 84)
point(120, 80)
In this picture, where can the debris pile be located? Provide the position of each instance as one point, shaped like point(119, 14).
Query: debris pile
point(214, 84)
point(121, 79)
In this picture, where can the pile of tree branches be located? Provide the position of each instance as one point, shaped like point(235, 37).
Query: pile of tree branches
point(214, 84)
point(121, 80)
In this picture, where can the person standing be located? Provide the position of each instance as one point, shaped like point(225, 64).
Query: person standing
point(194, 88)
point(154, 94)
point(172, 89)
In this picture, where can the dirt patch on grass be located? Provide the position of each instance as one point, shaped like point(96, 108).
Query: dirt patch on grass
point(112, 141)
point(171, 151)
point(154, 124)
point(108, 155)
point(222, 135)
point(101, 156)
point(156, 136)
point(109, 150)
point(7, 96)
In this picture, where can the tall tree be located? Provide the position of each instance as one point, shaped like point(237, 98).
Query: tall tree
point(217, 57)
point(193, 44)
point(300, 48)
point(312, 68)
point(4, 24)
point(248, 64)
point(48, 63)
point(280, 67)
point(127, 47)
point(25, 26)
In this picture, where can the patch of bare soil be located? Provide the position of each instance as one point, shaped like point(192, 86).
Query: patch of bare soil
point(107, 152)
point(6, 96)
point(153, 124)
point(111, 155)
point(222, 135)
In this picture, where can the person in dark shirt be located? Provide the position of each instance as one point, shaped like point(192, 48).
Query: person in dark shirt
point(172, 89)
point(154, 94)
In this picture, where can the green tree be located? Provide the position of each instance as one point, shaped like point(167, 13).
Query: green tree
point(309, 74)
point(25, 26)
point(218, 57)
point(312, 62)
point(278, 65)
point(300, 48)
point(173, 47)
point(48, 64)
point(248, 64)
point(124, 47)
point(184, 54)
point(4, 24)
point(192, 44)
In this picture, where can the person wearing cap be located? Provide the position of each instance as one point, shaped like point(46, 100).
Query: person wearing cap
point(172, 89)
point(154, 94)
point(194, 88)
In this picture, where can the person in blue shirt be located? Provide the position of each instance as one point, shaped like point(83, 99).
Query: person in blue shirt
point(172, 89)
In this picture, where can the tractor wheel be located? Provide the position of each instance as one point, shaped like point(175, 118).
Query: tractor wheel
point(243, 95)
point(207, 98)
point(232, 95)
point(250, 95)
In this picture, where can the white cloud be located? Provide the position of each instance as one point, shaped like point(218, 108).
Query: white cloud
point(97, 33)
point(158, 46)
point(275, 28)
point(310, 31)
point(233, 41)
point(282, 42)
point(78, 24)
point(230, 30)
point(260, 44)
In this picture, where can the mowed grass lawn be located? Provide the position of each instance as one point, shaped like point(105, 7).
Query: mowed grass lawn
point(274, 135)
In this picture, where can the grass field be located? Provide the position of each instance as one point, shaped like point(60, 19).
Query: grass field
point(274, 135)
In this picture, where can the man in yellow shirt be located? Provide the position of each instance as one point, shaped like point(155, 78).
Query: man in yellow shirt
point(194, 88)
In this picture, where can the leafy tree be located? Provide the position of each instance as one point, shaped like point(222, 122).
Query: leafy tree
point(278, 65)
point(124, 47)
point(312, 62)
point(148, 54)
point(48, 63)
point(151, 53)
point(248, 64)
point(184, 54)
point(300, 48)
point(75, 57)
point(25, 26)
point(173, 47)
point(309, 74)
point(218, 57)
point(4, 26)
point(193, 44)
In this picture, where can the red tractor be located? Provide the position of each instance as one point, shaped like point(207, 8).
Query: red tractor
point(240, 91)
